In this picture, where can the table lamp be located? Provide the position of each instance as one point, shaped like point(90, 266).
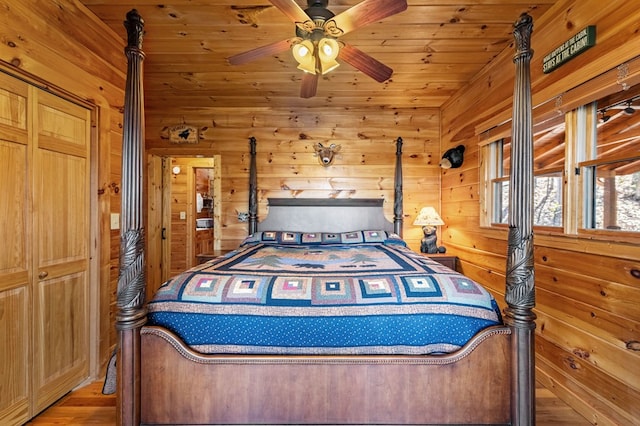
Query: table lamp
point(428, 218)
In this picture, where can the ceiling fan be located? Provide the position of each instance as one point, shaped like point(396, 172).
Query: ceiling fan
point(316, 46)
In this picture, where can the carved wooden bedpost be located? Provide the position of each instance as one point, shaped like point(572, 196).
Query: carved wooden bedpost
point(397, 194)
point(253, 189)
point(131, 281)
point(520, 285)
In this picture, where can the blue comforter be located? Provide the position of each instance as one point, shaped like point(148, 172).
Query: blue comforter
point(362, 292)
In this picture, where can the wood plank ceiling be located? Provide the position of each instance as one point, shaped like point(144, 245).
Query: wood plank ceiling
point(434, 48)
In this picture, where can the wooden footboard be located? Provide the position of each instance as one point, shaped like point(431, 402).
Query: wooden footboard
point(179, 386)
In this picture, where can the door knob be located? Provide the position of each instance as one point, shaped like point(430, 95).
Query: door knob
point(42, 275)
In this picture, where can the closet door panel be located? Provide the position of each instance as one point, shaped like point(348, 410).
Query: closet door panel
point(14, 253)
point(61, 256)
point(13, 213)
point(14, 398)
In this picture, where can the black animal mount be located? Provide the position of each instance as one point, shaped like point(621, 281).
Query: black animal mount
point(453, 158)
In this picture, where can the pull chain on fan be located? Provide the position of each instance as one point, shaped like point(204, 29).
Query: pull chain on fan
point(316, 47)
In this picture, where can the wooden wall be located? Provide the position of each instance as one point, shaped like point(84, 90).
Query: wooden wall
point(588, 330)
point(588, 291)
point(287, 166)
point(62, 46)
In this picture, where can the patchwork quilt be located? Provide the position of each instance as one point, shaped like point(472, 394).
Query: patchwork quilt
point(360, 292)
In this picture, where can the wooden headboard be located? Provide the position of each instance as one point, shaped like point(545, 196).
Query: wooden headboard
point(325, 215)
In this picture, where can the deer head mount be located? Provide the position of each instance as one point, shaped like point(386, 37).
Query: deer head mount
point(326, 154)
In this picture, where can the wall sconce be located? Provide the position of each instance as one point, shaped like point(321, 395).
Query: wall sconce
point(428, 218)
point(176, 170)
point(453, 158)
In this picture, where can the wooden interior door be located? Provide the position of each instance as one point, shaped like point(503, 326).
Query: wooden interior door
point(14, 253)
point(167, 197)
point(155, 235)
point(61, 171)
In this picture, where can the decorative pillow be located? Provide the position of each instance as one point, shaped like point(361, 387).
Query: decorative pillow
point(329, 238)
point(374, 236)
point(352, 237)
point(394, 238)
point(286, 237)
point(269, 236)
point(311, 238)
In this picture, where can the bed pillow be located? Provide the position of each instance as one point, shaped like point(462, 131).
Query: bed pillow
point(315, 238)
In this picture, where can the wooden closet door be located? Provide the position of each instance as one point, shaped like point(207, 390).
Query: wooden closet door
point(15, 312)
point(61, 200)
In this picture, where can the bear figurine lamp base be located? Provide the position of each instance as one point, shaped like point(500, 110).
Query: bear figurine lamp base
point(428, 218)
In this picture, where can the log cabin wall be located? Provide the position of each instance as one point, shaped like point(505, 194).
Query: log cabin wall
point(286, 161)
point(62, 46)
point(587, 316)
point(587, 334)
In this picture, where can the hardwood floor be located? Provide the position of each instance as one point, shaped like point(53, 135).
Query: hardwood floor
point(84, 406)
point(88, 406)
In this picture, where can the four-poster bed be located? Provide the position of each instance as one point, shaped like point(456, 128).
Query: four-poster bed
point(161, 380)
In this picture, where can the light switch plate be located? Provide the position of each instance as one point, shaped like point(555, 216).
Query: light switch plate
point(115, 220)
point(183, 215)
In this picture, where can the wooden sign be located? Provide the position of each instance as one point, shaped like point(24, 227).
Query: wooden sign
point(183, 134)
point(569, 49)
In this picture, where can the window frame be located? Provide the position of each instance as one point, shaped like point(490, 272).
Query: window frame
point(580, 154)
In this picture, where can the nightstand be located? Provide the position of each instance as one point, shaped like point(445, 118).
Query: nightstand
point(448, 260)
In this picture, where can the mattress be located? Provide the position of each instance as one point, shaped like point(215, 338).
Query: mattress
point(362, 292)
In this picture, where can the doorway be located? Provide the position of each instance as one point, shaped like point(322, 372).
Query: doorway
point(184, 214)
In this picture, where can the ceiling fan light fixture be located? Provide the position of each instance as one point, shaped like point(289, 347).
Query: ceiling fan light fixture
point(327, 66)
point(316, 23)
point(328, 50)
point(303, 52)
point(308, 66)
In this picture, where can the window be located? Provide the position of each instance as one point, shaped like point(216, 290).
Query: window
point(587, 159)
point(616, 197)
point(498, 159)
point(611, 170)
point(549, 142)
point(547, 206)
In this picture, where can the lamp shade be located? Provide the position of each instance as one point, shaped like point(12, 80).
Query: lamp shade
point(428, 217)
point(328, 50)
point(305, 56)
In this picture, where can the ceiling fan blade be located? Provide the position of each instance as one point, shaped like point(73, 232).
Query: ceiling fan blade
point(293, 11)
point(309, 85)
point(367, 12)
point(365, 63)
point(259, 52)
